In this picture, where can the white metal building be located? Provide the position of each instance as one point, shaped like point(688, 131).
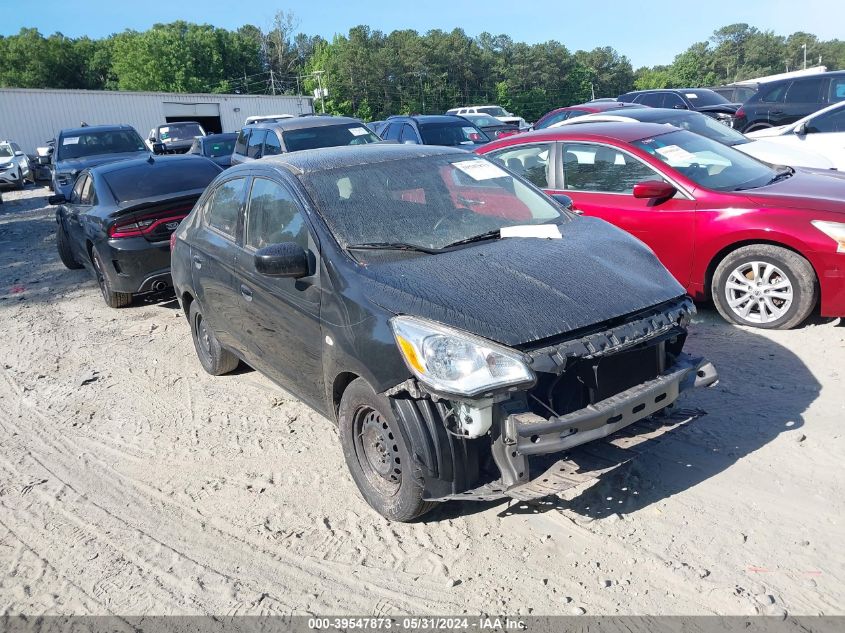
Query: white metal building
point(30, 117)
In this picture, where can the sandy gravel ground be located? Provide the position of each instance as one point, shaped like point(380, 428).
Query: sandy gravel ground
point(133, 483)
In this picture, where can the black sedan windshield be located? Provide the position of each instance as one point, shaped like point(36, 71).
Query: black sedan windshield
point(219, 146)
point(94, 143)
point(428, 202)
point(707, 162)
point(328, 136)
point(179, 132)
point(453, 133)
point(705, 98)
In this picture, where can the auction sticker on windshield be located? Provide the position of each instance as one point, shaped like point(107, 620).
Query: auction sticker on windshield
point(358, 131)
point(675, 155)
point(71, 140)
point(480, 169)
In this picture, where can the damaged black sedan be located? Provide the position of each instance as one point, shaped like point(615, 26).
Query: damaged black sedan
point(451, 318)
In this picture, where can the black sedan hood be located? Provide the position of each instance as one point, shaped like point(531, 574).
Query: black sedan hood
point(519, 290)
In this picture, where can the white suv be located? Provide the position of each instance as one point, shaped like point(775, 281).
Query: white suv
point(493, 110)
point(14, 165)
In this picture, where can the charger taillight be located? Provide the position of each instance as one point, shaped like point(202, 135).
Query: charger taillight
point(157, 225)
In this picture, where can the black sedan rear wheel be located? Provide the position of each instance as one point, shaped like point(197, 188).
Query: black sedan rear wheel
point(113, 299)
point(63, 246)
point(377, 455)
point(214, 358)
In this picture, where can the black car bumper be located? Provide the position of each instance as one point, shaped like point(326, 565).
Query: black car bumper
point(527, 434)
point(137, 266)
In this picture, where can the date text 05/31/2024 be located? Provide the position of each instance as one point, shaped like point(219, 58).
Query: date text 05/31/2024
point(418, 623)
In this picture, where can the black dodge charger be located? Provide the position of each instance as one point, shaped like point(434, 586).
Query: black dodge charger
point(451, 318)
point(118, 220)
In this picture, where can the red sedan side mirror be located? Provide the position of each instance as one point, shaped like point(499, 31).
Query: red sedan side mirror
point(654, 189)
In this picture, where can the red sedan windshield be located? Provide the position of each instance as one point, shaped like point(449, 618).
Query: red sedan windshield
point(706, 162)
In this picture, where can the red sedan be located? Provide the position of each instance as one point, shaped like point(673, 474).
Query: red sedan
point(767, 244)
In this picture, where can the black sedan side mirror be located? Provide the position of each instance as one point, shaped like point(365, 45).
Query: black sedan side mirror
point(563, 200)
point(57, 199)
point(287, 259)
point(159, 148)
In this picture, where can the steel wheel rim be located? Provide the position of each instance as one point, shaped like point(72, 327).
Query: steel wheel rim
point(377, 451)
point(759, 292)
point(203, 338)
point(101, 277)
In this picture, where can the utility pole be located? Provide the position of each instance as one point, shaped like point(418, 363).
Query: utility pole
point(319, 74)
point(420, 74)
point(805, 55)
point(273, 82)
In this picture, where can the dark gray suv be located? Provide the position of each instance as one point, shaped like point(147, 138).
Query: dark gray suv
point(787, 100)
point(291, 135)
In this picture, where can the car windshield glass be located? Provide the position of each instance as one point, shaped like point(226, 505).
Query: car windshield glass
point(452, 133)
point(704, 97)
point(707, 162)
point(493, 110)
point(93, 143)
point(221, 147)
point(328, 136)
point(6, 150)
point(160, 179)
point(700, 124)
point(426, 202)
point(179, 132)
point(482, 120)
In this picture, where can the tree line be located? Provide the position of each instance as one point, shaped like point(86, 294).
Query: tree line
point(371, 74)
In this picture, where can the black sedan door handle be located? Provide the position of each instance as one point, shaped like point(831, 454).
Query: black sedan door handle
point(246, 292)
point(777, 111)
point(197, 261)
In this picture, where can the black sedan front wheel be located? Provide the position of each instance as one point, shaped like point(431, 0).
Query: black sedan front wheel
point(377, 455)
point(113, 299)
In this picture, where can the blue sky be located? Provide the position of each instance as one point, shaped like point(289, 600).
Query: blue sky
point(648, 32)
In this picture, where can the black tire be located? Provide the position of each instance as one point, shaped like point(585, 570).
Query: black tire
point(778, 271)
point(65, 252)
point(214, 358)
point(377, 455)
point(20, 182)
point(113, 299)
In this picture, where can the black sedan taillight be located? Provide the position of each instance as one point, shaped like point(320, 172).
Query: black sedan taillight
point(155, 227)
